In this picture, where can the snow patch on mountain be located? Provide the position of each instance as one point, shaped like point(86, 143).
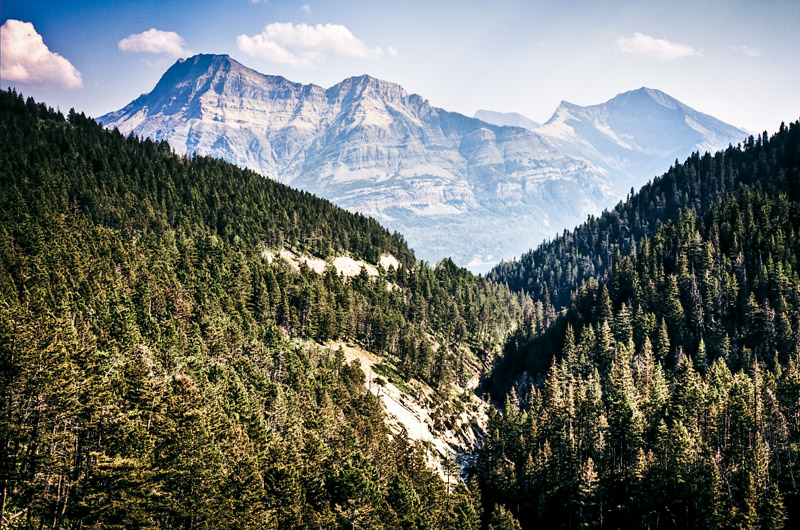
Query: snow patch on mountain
point(413, 411)
point(344, 265)
point(387, 261)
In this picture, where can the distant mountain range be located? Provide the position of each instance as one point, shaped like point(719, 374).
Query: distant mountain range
point(506, 119)
point(452, 185)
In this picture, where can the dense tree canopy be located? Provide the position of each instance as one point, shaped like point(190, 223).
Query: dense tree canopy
point(666, 394)
point(157, 371)
point(557, 268)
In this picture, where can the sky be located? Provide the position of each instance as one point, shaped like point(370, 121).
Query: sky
point(736, 60)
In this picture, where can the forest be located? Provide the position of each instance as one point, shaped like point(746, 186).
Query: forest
point(665, 394)
point(158, 371)
point(558, 267)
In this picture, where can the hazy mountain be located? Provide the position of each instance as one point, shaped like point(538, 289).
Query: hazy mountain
point(636, 135)
point(453, 185)
point(506, 119)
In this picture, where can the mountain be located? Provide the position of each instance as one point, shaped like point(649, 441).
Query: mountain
point(453, 185)
point(557, 268)
point(184, 343)
point(559, 272)
point(449, 183)
point(506, 119)
point(636, 135)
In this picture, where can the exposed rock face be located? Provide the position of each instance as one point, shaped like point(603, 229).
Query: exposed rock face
point(453, 185)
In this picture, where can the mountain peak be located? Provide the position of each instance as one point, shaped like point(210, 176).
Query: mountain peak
point(194, 67)
point(365, 78)
point(207, 60)
point(194, 73)
point(639, 96)
point(371, 147)
point(646, 95)
point(366, 86)
point(563, 112)
point(635, 134)
point(366, 81)
point(645, 90)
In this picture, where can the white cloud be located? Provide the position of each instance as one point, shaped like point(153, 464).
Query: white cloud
point(306, 8)
point(744, 49)
point(24, 58)
point(392, 51)
point(301, 45)
point(661, 49)
point(153, 41)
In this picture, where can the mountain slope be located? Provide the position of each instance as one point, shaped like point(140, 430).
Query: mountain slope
point(449, 183)
point(169, 344)
point(560, 272)
point(453, 185)
point(665, 395)
point(556, 269)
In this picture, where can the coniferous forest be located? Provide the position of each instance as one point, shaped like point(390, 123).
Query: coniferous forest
point(157, 371)
point(667, 392)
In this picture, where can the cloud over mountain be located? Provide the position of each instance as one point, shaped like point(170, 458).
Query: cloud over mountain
point(302, 45)
point(25, 58)
point(154, 41)
point(661, 49)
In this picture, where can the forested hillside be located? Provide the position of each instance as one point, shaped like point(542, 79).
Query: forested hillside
point(557, 268)
point(667, 395)
point(157, 371)
point(160, 367)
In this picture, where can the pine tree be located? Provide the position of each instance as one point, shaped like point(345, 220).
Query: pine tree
point(674, 314)
point(502, 519)
point(588, 484)
point(663, 343)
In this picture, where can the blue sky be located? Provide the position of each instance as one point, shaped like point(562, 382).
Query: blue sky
point(736, 60)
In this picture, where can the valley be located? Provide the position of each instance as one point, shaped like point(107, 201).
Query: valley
point(201, 344)
point(415, 265)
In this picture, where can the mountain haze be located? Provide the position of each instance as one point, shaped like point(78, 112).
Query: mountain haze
point(506, 119)
point(636, 135)
point(453, 185)
point(658, 368)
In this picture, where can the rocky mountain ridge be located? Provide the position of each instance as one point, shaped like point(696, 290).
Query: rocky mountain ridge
point(453, 185)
